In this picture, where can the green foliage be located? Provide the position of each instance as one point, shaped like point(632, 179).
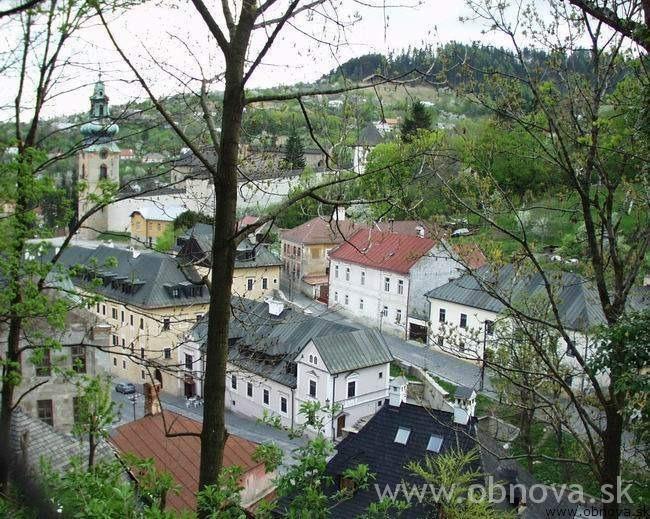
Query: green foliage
point(102, 491)
point(294, 152)
point(510, 155)
point(95, 412)
point(453, 471)
point(223, 500)
point(399, 178)
point(417, 119)
point(269, 454)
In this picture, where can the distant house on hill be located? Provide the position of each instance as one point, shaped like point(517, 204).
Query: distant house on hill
point(151, 221)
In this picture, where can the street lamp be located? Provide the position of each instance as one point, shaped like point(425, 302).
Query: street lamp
point(133, 398)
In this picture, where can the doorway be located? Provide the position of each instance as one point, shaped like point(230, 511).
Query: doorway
point(340, 425)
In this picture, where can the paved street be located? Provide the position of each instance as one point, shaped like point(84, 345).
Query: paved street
point(441, 364)
point(237, 424)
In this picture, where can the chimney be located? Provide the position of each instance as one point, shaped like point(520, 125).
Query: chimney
point(391, 221)
point(397, 391)
point(275, 307)
point(151, 401)
point(461, 416)
point(339, 213)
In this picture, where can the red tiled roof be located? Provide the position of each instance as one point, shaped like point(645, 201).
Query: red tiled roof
point(247, 220)
point(471, 255)
point(320, 230)
point(383, 250)
point(179, 456)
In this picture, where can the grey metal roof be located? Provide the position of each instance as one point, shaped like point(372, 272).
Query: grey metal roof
point(33, 440)
point(352, 350)
point(576, 297)
point(152, 273)
point(464, 392)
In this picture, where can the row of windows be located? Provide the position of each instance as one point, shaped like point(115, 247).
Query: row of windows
point(384, 312)
point(166, 324)
point(77, 354)
point(442, 317)
point(362, 279)
point(250, 283)
point(266, 394)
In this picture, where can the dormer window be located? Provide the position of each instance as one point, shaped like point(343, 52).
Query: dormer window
point(435, 443)
point(176, 292)
point(402, 435)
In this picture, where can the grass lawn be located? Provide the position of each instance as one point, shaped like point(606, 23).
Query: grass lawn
point(114, 236)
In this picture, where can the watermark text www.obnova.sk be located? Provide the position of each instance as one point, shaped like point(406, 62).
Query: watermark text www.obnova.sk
point(497, 493)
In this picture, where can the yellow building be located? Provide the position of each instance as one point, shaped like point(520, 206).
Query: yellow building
point(257, 270)
point(150, 222)
point(150, 301)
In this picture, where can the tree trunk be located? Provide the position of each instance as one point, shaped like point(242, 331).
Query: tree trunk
point(213, 435)
point(611, 467)
point(11, 373)
point(91, 450)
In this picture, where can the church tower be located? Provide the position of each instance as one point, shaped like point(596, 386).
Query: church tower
point(98, 163)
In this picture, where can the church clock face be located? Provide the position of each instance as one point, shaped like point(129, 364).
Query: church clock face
point(103, 153)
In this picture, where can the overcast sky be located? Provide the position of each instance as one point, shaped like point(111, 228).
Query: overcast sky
point(177, 39)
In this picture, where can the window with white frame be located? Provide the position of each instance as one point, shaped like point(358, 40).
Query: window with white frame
point(400, 286)
point(384, 311)
point(489, 327)
point(312, 388)
point(347, 299)
point(336, 271)
point(283, 404)
point(250, 282)
point(266, 396)
point(398, 316)
point(463, 320)
point(386, 284)
point(442, 315)
point(363, 277)
point(352, 388)
point(347, 273)
point(233, 382)
point(249, 389)
point(361, 304)
point(336, 297)
point(265, 283)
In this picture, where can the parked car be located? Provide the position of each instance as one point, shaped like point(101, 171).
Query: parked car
point(125, 388)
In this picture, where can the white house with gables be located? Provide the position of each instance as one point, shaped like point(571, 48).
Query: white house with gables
point(280, 358)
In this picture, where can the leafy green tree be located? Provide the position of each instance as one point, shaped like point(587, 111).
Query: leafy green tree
point(454, 472)
point(95, 412)
point(294, 151)
point(223, 499)
point(417, 119)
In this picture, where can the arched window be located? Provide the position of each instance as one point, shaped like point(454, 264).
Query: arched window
point(103, 172)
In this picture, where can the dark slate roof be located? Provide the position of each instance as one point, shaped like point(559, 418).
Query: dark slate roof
point(374, 446)
point(197, 248)
point(268, 342)
point(369, 136)
point(153, 275)
point(464, 392)
point(578, 301)
point(33, 440)
point(352, 350)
